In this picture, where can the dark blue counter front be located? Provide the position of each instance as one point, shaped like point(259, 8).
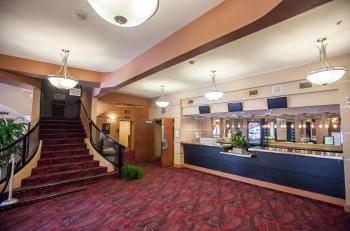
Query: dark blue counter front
point(319, 175)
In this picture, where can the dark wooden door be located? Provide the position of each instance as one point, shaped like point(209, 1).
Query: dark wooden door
point(167, 158)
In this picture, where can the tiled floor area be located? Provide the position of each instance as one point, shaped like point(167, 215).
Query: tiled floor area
point(176, 199)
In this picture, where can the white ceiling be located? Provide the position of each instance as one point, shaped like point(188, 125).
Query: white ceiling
point(289, 43)
point(39, 29)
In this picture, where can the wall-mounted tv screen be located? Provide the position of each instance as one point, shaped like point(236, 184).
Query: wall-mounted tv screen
point(236, 106)
point(204, 109)
point(280, 102)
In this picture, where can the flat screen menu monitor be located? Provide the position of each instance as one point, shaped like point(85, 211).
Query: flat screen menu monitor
point(328, 140)
point(236, 106)
point(254, 133)
point(280, 102)
point(204, 109)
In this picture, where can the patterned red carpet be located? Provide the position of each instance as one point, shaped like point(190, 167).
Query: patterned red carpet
point(176, 199)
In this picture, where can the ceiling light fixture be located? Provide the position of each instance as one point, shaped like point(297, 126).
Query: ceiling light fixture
point(325, 74)
point(61, 79)
point(125, 13)
point(162, 102)
point(215, 94)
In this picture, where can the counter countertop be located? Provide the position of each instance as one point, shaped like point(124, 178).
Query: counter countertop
point(220, 145)
point(291, 151)
point(307, 146)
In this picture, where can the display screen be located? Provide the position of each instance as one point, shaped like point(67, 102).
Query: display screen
point(254, 133)
point(232, 107)
point(280, 102)
point(204, 109)
point(328, 140)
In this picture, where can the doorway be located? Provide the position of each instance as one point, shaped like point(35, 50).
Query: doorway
point(125, 133)
point(157, 139)
point(167, 156)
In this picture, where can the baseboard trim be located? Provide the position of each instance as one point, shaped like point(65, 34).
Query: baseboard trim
point(179, 165)
point(282, 188)
point(347, 208)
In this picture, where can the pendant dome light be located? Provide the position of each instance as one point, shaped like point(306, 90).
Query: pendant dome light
point(125, 13)
point(162, 102)
point(61, 79)
point(215, 94)
point(325, 74)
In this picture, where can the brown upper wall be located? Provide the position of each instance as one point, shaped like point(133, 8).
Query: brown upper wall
point(42, 69)
point(18, 80)
point(221, 20)
point(229, 21)
point(115, 98)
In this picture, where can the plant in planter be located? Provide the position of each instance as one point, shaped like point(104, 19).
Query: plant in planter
point(131, 172)
point(239, 143)
point(9, 132)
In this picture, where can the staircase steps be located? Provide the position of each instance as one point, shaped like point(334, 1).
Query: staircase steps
point(62, 136)
point(40, 189)
point(65, 165)
point(48, 169)
point(60, 131)
point(38, 198)
point(61, 126)
point(59, 176)
point(64, 153)
point(61, 160)
point(63, 141)
point(61, 147)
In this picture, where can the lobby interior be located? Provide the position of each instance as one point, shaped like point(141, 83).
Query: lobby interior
point(237, 112)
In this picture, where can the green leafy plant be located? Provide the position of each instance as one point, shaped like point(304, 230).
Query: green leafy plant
point(9, 132)
point(131, 172)
point(239, 141)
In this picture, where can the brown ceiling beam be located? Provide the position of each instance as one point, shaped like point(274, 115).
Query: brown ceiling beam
point(18, 80)
point(40, 70)
point(229, 21)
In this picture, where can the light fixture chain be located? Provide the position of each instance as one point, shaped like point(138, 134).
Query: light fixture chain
point(323, 54)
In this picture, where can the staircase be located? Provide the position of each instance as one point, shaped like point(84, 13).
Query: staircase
point(65, 165)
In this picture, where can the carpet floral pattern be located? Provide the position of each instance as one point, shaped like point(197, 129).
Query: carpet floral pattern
point(176, 199)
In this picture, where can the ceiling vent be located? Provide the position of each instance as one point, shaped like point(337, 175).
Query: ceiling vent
point(305, 85)
point(190, 101)
point(253, 92)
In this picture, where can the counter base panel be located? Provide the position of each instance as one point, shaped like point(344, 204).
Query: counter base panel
point(318, 175)
point(282, 188)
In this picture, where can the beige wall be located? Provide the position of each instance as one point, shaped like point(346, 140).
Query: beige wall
point(141, 132)
point(36, 106)
point(289, 79)
point(16, 98)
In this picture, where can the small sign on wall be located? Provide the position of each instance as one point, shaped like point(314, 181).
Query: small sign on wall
point(59, 97)
point(75, 92)
point(127, 114)
point(177, 133)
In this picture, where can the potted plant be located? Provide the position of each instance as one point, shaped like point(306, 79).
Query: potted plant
point(131, 172)
point(239, 143)
point(9, 132)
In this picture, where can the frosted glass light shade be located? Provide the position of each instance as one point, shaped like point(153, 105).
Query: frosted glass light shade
point(326, 75)
point(214, 95)
point(62, 82)
point(125, 13)
point(162, 103)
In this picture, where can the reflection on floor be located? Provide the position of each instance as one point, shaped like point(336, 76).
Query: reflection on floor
point(176, 199)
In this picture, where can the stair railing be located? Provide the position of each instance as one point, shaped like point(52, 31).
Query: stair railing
point(105, 145)
point(21, 152)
